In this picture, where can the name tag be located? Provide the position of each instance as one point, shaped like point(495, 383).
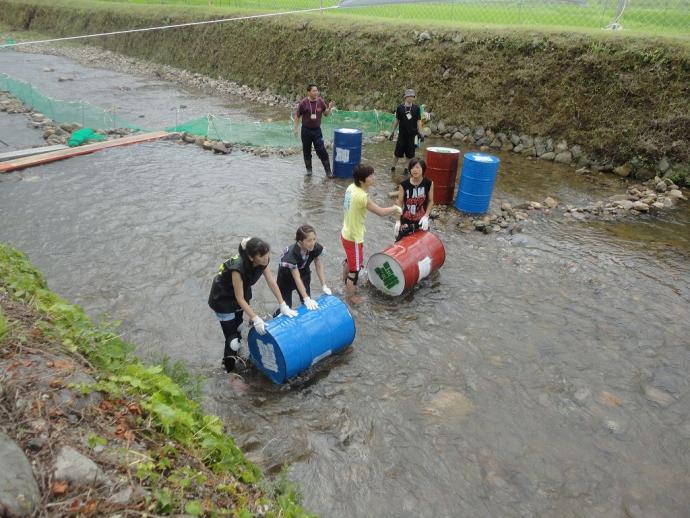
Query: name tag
point(409, 116)
point(313, 116)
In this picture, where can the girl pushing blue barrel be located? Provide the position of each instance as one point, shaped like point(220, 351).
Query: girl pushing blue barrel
point(231, 292)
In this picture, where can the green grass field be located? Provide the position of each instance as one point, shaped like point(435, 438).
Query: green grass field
point(654, 17)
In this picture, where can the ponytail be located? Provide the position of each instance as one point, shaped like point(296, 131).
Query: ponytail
point(303, 232)
point(253, 246)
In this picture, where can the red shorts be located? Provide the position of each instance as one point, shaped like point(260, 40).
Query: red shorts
point(355, 254)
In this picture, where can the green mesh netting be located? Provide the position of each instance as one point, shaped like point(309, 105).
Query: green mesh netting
point(84, 135)
point(63, 111)
point(279, 133)
point(260, 134)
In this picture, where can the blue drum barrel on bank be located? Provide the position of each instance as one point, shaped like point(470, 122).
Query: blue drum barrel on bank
point(292, 345)
point(476, 183)
point(347, 151)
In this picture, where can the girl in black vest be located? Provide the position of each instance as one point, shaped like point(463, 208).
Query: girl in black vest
point(416, 199)
point(294, 272)
point(231, 292)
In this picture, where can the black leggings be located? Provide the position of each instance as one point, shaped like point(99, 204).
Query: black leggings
point(230, 332)
point(287, 285)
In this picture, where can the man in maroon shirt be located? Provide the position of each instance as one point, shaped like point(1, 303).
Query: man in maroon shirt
point(310, 109)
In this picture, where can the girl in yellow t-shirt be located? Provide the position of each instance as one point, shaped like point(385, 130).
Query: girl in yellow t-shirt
point(356, 205)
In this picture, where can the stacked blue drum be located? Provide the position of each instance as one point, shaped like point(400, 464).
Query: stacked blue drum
point(476, 183)
point(292, 345)
point(347, 151)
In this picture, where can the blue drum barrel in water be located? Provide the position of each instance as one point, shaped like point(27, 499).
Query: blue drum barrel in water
point(292, 345)
point(476, 183)
point(347, 151)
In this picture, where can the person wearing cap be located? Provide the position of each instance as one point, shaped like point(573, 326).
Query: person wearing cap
point(408, 120)
point(310, 109)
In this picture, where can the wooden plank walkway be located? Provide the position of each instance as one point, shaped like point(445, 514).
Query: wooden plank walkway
point(13, 165)
point(22, 153)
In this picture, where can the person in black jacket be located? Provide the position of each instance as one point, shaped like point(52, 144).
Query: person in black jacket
point(231, 292)
point(294, 272)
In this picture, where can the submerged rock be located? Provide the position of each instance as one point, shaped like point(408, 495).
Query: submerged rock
point(658, 396)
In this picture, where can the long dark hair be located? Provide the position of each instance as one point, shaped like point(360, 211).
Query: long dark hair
point(253, 247)
point(303, 232)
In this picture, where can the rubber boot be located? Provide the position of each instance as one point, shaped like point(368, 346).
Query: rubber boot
point(307, 165)
point(327, 167)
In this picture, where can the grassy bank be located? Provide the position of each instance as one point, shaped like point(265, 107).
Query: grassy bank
point(179, 457)
point(641, 17)
point(620, 98)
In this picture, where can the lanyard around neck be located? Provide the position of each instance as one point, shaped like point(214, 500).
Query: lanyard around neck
point(315, 107)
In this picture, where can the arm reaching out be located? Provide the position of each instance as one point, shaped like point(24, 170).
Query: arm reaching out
point(383, 211)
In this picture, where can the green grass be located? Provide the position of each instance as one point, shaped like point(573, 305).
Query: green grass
point(642, 17)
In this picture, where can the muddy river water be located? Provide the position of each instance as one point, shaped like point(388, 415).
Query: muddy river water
point(539, 374)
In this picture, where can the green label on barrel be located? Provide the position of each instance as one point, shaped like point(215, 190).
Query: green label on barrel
point(386, 274)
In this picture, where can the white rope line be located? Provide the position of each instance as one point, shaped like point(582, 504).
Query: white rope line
point(188, 24)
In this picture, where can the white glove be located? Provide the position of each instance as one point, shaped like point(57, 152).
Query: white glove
point(398, 209)
point(285, 310)
point(326, 290)
point(396, 229)
point(424, 223)
point(259, 325)
point(311, 304)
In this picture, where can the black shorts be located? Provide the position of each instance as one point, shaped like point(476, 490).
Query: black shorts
point(405, 146)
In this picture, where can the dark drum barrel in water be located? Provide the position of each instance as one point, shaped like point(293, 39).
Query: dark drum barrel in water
point(347, 151)
point(442, 169)
point(292, 345)
point(476, 183)
point(405, 263)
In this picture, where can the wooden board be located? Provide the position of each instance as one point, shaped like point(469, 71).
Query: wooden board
point(21, 153)
point(13, 165)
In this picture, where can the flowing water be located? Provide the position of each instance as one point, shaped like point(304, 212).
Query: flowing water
point(540, 374)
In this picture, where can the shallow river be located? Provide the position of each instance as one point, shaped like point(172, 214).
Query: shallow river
point(540, 374)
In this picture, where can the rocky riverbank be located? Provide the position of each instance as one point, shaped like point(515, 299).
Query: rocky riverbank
point(53, 132)
point(553, 150)
point(96, 57)
point(88, 430)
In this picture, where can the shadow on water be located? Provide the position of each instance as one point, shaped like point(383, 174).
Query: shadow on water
point(543, 374)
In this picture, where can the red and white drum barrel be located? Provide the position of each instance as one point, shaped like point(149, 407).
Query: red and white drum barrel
point(405, 263)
